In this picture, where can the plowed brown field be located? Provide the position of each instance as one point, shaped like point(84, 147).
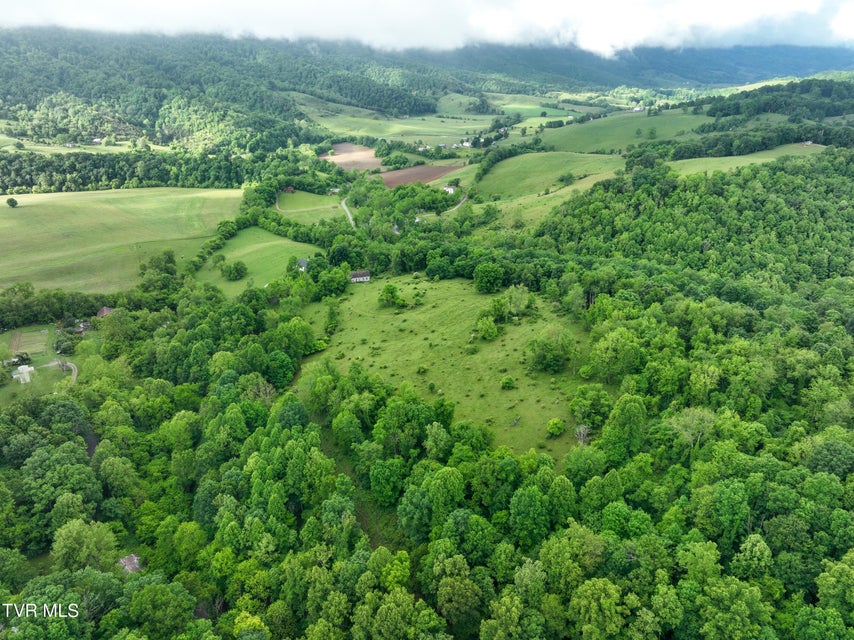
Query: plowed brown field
point(352, 156)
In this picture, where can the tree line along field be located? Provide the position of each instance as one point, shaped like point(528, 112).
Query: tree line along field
point(434, 347)
point(96, 241)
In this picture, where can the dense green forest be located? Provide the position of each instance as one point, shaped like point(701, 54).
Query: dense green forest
point(709, 491)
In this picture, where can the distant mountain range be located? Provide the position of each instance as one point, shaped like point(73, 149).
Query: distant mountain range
point(645, 67)
point(65, 86)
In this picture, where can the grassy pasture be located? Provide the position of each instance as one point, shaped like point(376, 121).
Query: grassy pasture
point(727, 163)
point(430, 129)
point(96, 240)
point(619, 130)
point(535, 172)
point(307, 208)
point(438, 337)
point(530, 106)
point(266, 255)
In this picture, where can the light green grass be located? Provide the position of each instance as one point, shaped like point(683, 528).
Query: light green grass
point(308, 208)
point(95, 240)
point(701, 165)
point(266, 255)
point(430, 129)
point(530, 106)
point(619, 130)
point(536, 172)
point(437, 336)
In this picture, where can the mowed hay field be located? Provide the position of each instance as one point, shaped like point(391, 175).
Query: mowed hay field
point(619, 130)
point(432, 345)
point(536, 172)
point(308, 208)
point(265, 254)
point(94, 241)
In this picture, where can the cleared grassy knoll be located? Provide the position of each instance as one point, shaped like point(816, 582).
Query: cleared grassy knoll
point(455, 104)
point(530, 106)
point(36, 340)
point(619, 130)
point(266, 255)
point(96, 240)
point(700, 165)
point(536, 172)
point(432, 347)
point(307, 207)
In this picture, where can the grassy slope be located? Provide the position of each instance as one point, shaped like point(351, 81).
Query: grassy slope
point(265, 254)
point(96, 240)
point(699, 165)
point(437, 336)
point(619, 130)
point(432, 130)
point(536, 172)
point(307, 208)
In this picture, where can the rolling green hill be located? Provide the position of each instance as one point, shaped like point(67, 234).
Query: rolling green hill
point(96, 241)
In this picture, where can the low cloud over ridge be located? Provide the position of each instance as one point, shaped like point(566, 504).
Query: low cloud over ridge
point(603, 28)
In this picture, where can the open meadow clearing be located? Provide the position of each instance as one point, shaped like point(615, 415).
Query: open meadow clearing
point(308, 208)
point(531, 106)
point(727, 163)
point(536, 172)
point(430, 129)
point(432, 347)
point(619, 130)
point(265, 254)
point(95, 241)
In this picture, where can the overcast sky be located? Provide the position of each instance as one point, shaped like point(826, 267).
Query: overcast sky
point(599, 26)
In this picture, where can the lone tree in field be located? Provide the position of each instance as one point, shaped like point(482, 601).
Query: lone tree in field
point(12, 202)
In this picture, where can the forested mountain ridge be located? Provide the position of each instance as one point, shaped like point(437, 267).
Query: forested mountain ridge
point(73, 86)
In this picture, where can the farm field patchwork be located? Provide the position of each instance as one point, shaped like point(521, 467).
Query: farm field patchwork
point(432, 347)
point(95, 241)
